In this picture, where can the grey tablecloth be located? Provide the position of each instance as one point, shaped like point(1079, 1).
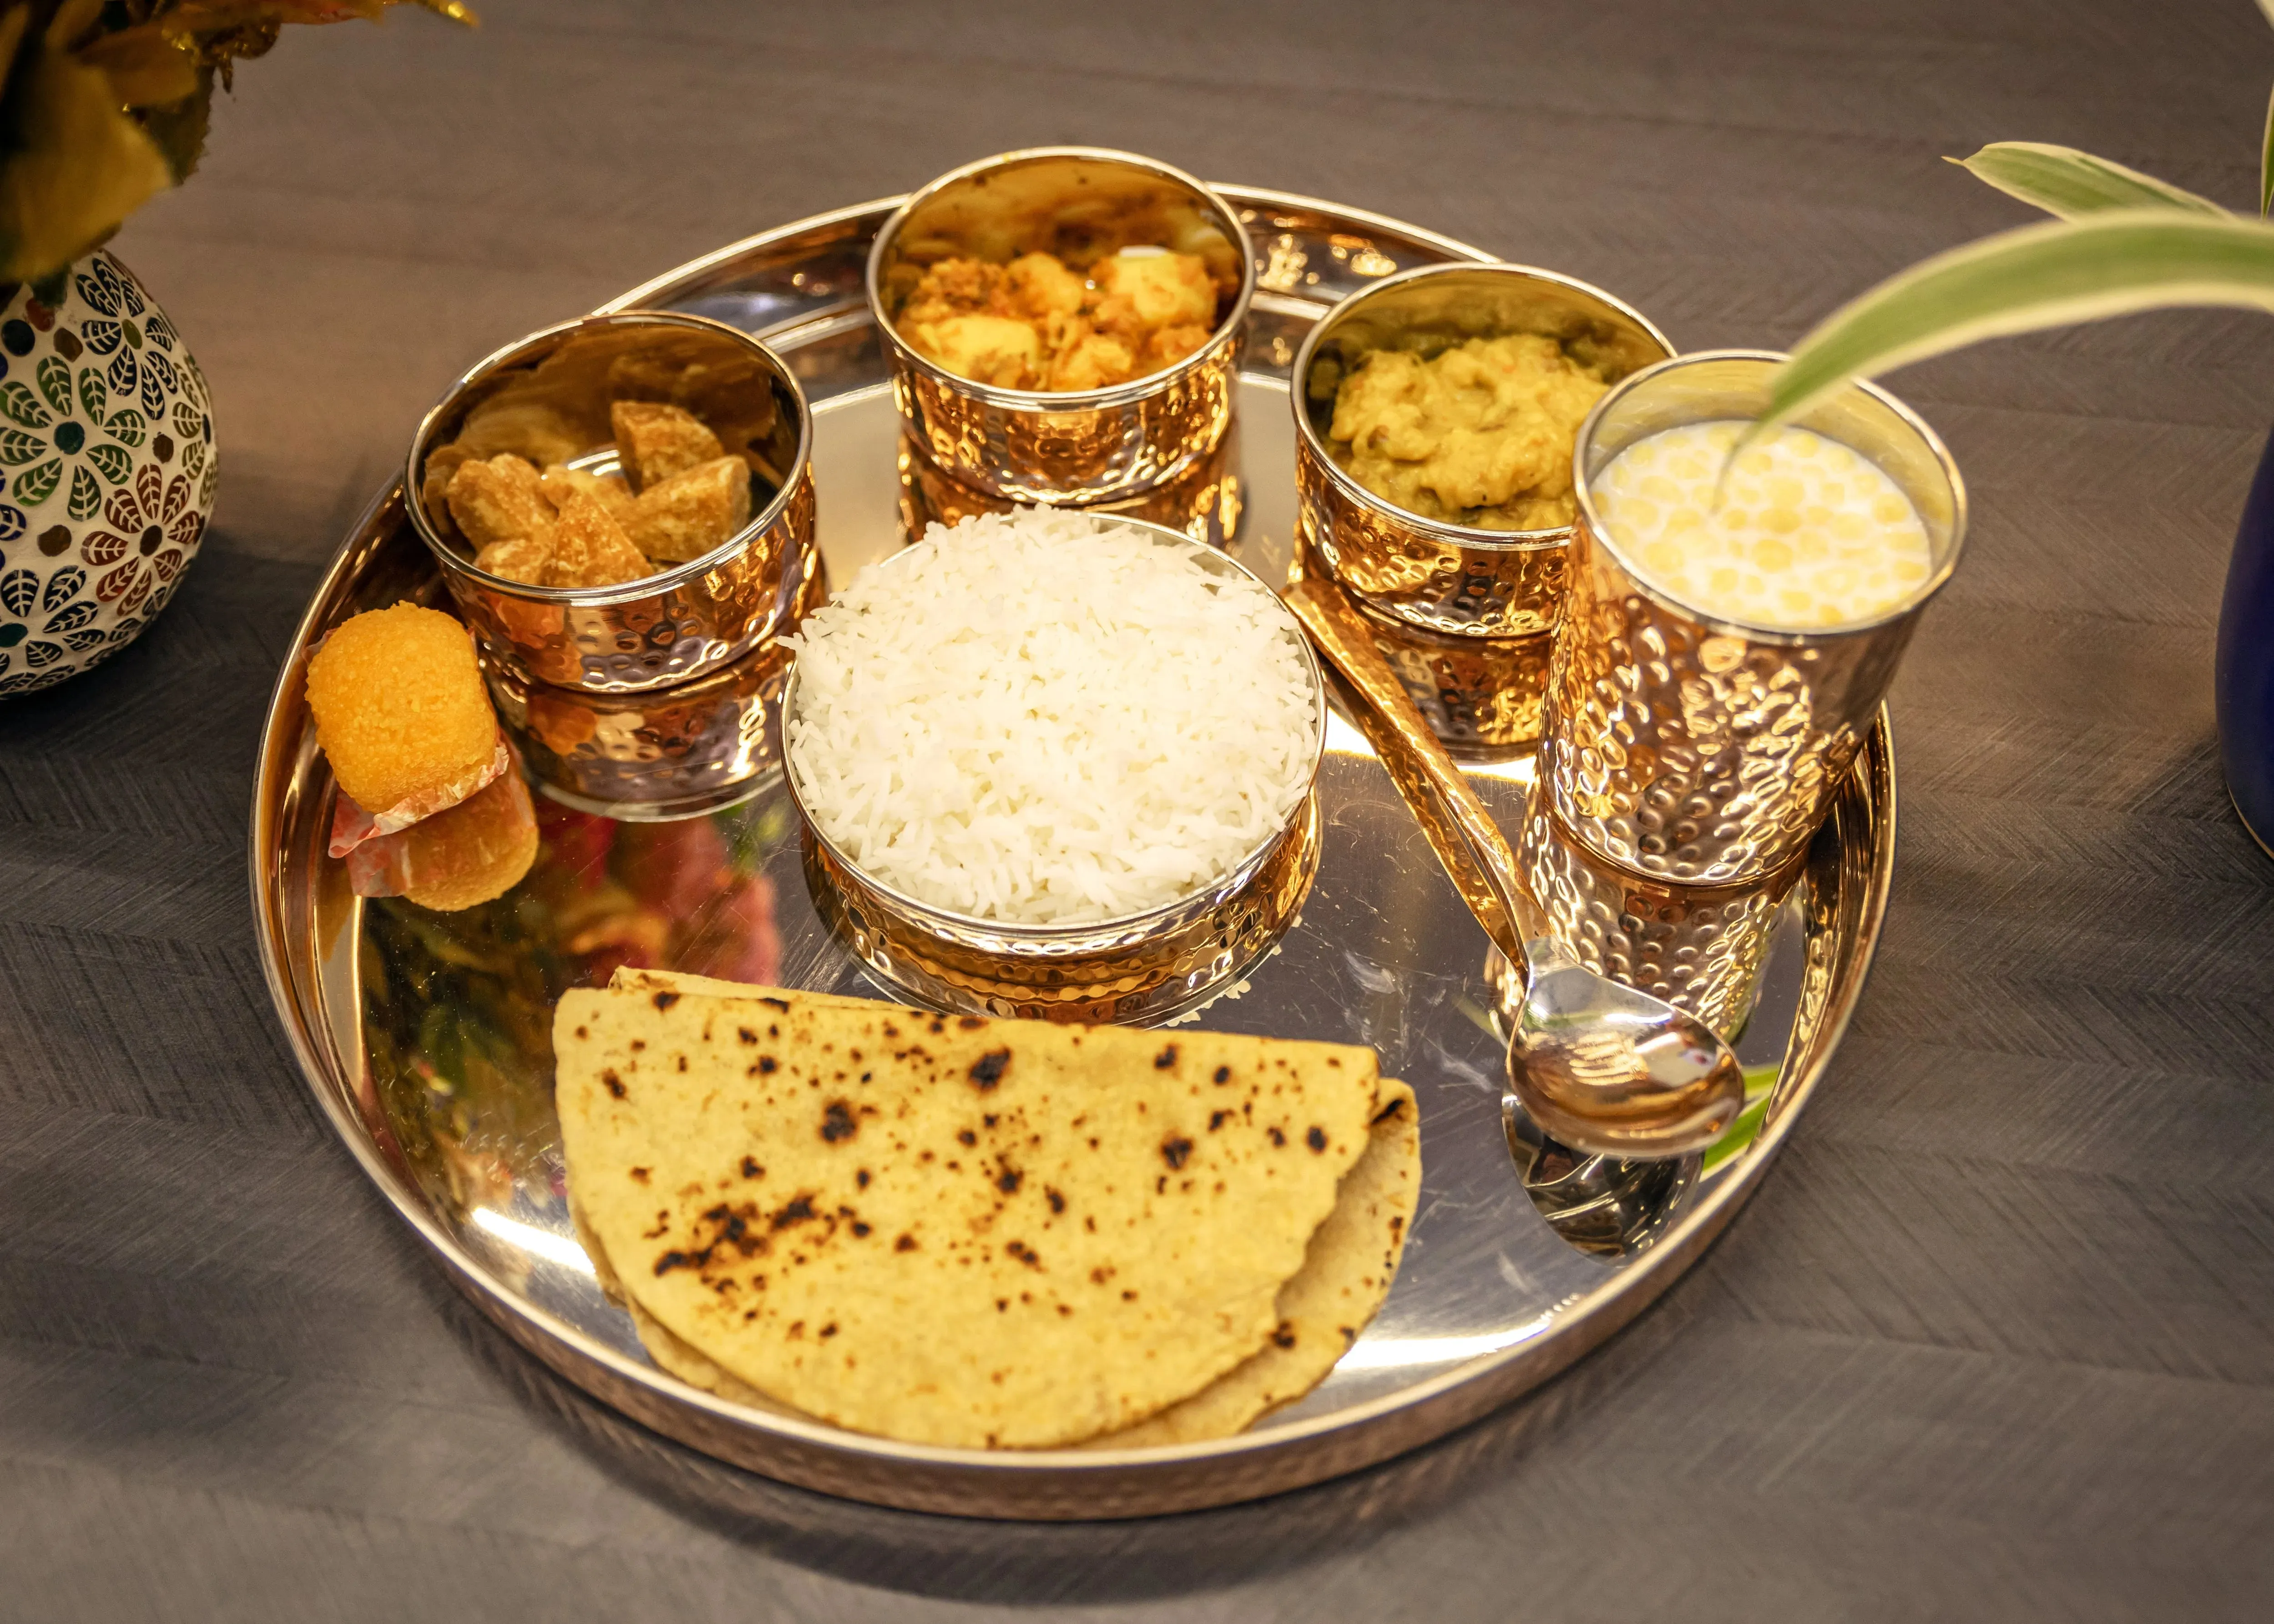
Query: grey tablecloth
point(1996, 1339)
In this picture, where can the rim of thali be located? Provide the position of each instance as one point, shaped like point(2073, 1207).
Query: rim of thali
point(1579, 1325)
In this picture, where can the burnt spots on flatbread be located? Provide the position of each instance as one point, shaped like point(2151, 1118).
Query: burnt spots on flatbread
point(970, 1023)
point(1176, 1150)
point(615, 1084)
point(1316, 1138)
point(1284, 1336)
point(1216, 1119)
point(965, 1136)
point(988, 1070)
point(639, 1176)
point(798, 1209)
point(743, 1035)
point(1056, 1201)
point(767, 1063)
point(1222, 1075)
point(1007, 1181)
point(1166, 1058)
point(1022, 1252)
point(905, 1242)
point(862, 1179)
point(837, 1122)
point(665, 999)
point(750, 1168)
point(1388, 1111)
point(1278, 1138)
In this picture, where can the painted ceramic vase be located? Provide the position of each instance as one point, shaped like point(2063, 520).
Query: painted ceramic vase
point(106, 472)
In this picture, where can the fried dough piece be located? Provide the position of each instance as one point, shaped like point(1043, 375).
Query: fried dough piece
point(656, 441)
point(498, 500)
point(476, 851)
point(609, 490)
point(525, 558)
point(591, 549)
point(402, 713)
point(692, 512)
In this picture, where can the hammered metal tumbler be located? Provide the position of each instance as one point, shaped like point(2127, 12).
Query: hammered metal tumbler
point(1700, 750)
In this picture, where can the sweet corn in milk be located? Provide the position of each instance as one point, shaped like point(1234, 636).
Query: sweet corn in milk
point(1807, 534)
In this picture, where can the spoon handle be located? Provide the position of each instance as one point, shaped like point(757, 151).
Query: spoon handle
point(1424, 773)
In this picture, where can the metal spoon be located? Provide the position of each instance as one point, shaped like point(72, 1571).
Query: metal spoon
point(1600, 1066)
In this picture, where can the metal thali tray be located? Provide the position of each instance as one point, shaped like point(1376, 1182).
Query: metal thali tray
point(426, 1036)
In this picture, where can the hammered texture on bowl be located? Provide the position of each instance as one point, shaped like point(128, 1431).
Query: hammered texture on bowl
point(654, 639)
point(660, 754)
point(1204, 502)
point(1081, 456)
point(1484, 698)
point(1129, 973)
point(1694, 755)
point(1406, 566)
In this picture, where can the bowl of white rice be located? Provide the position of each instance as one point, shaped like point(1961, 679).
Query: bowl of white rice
point(1056, 763)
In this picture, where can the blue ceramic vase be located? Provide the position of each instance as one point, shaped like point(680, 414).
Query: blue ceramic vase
point(2246, 661)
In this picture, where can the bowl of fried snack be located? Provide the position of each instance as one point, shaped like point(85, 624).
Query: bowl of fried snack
point(1434, 416)
point(622, 502)
point(1062, 324)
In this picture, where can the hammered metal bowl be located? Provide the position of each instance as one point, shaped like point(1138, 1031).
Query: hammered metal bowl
point(1482, 697)
point(1704, 751)
point(1458, 579)
point(1135, 967)
point(1072, 448)
point(655, 756)
point(546, 397)
point(1204, 501)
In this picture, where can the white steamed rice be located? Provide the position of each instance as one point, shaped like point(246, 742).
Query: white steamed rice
point(1032, 719)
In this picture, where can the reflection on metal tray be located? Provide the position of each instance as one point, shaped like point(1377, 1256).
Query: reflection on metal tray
point(426, 1036)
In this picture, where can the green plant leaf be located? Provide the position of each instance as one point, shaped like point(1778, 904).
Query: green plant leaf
point(86, 494)
point(127, 427)
point(2063, 181)
point(2266, 162)
point(2110, 263)
point(92, 395)
point(18, 448)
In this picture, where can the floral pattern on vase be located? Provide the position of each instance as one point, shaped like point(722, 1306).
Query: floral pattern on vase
point(106, 472)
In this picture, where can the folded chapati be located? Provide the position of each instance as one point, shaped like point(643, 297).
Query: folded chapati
point(963, 1231)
